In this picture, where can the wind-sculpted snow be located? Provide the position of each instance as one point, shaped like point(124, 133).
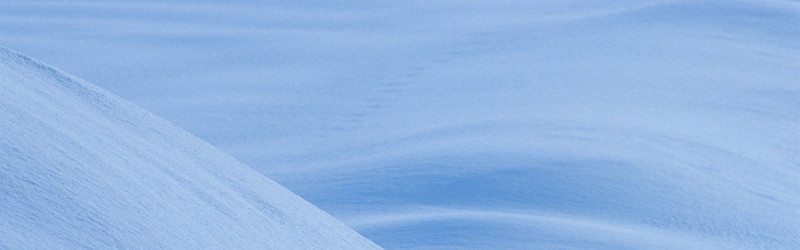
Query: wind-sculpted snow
point(80, 168)
point(475, 124)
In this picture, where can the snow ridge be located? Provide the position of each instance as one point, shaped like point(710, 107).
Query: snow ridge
point(80, 167)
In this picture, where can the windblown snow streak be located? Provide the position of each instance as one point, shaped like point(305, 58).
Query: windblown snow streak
point(80, 167)
point(482, 124)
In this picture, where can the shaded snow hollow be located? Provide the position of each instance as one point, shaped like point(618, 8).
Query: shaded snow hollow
point(80, 167)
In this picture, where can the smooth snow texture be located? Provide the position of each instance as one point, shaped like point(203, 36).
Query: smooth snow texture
point(80, 167)
point(473, 124)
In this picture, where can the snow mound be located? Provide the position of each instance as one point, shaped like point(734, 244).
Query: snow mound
point(80, 167)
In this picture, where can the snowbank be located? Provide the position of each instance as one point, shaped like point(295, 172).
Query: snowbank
point(80, 167)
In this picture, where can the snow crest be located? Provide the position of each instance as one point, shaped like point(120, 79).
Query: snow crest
point(80, 167)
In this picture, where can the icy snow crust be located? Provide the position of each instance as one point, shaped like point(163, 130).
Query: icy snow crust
point(473, 124)
point(81, 168)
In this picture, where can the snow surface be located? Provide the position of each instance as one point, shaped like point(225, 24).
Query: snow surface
point(473, 124)
point(81, 168)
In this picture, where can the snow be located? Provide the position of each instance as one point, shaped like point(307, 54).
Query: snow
point(473, 124)
point(82, 168)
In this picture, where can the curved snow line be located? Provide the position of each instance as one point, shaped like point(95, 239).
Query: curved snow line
point(635, 234)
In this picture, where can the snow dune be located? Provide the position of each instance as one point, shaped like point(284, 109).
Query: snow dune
point(474, 124)
point(82, 168)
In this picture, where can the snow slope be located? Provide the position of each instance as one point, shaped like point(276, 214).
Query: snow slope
point(473, 124)
point(81, 168)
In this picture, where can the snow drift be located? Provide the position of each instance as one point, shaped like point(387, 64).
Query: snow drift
point(473, 124)
point(80, 167)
